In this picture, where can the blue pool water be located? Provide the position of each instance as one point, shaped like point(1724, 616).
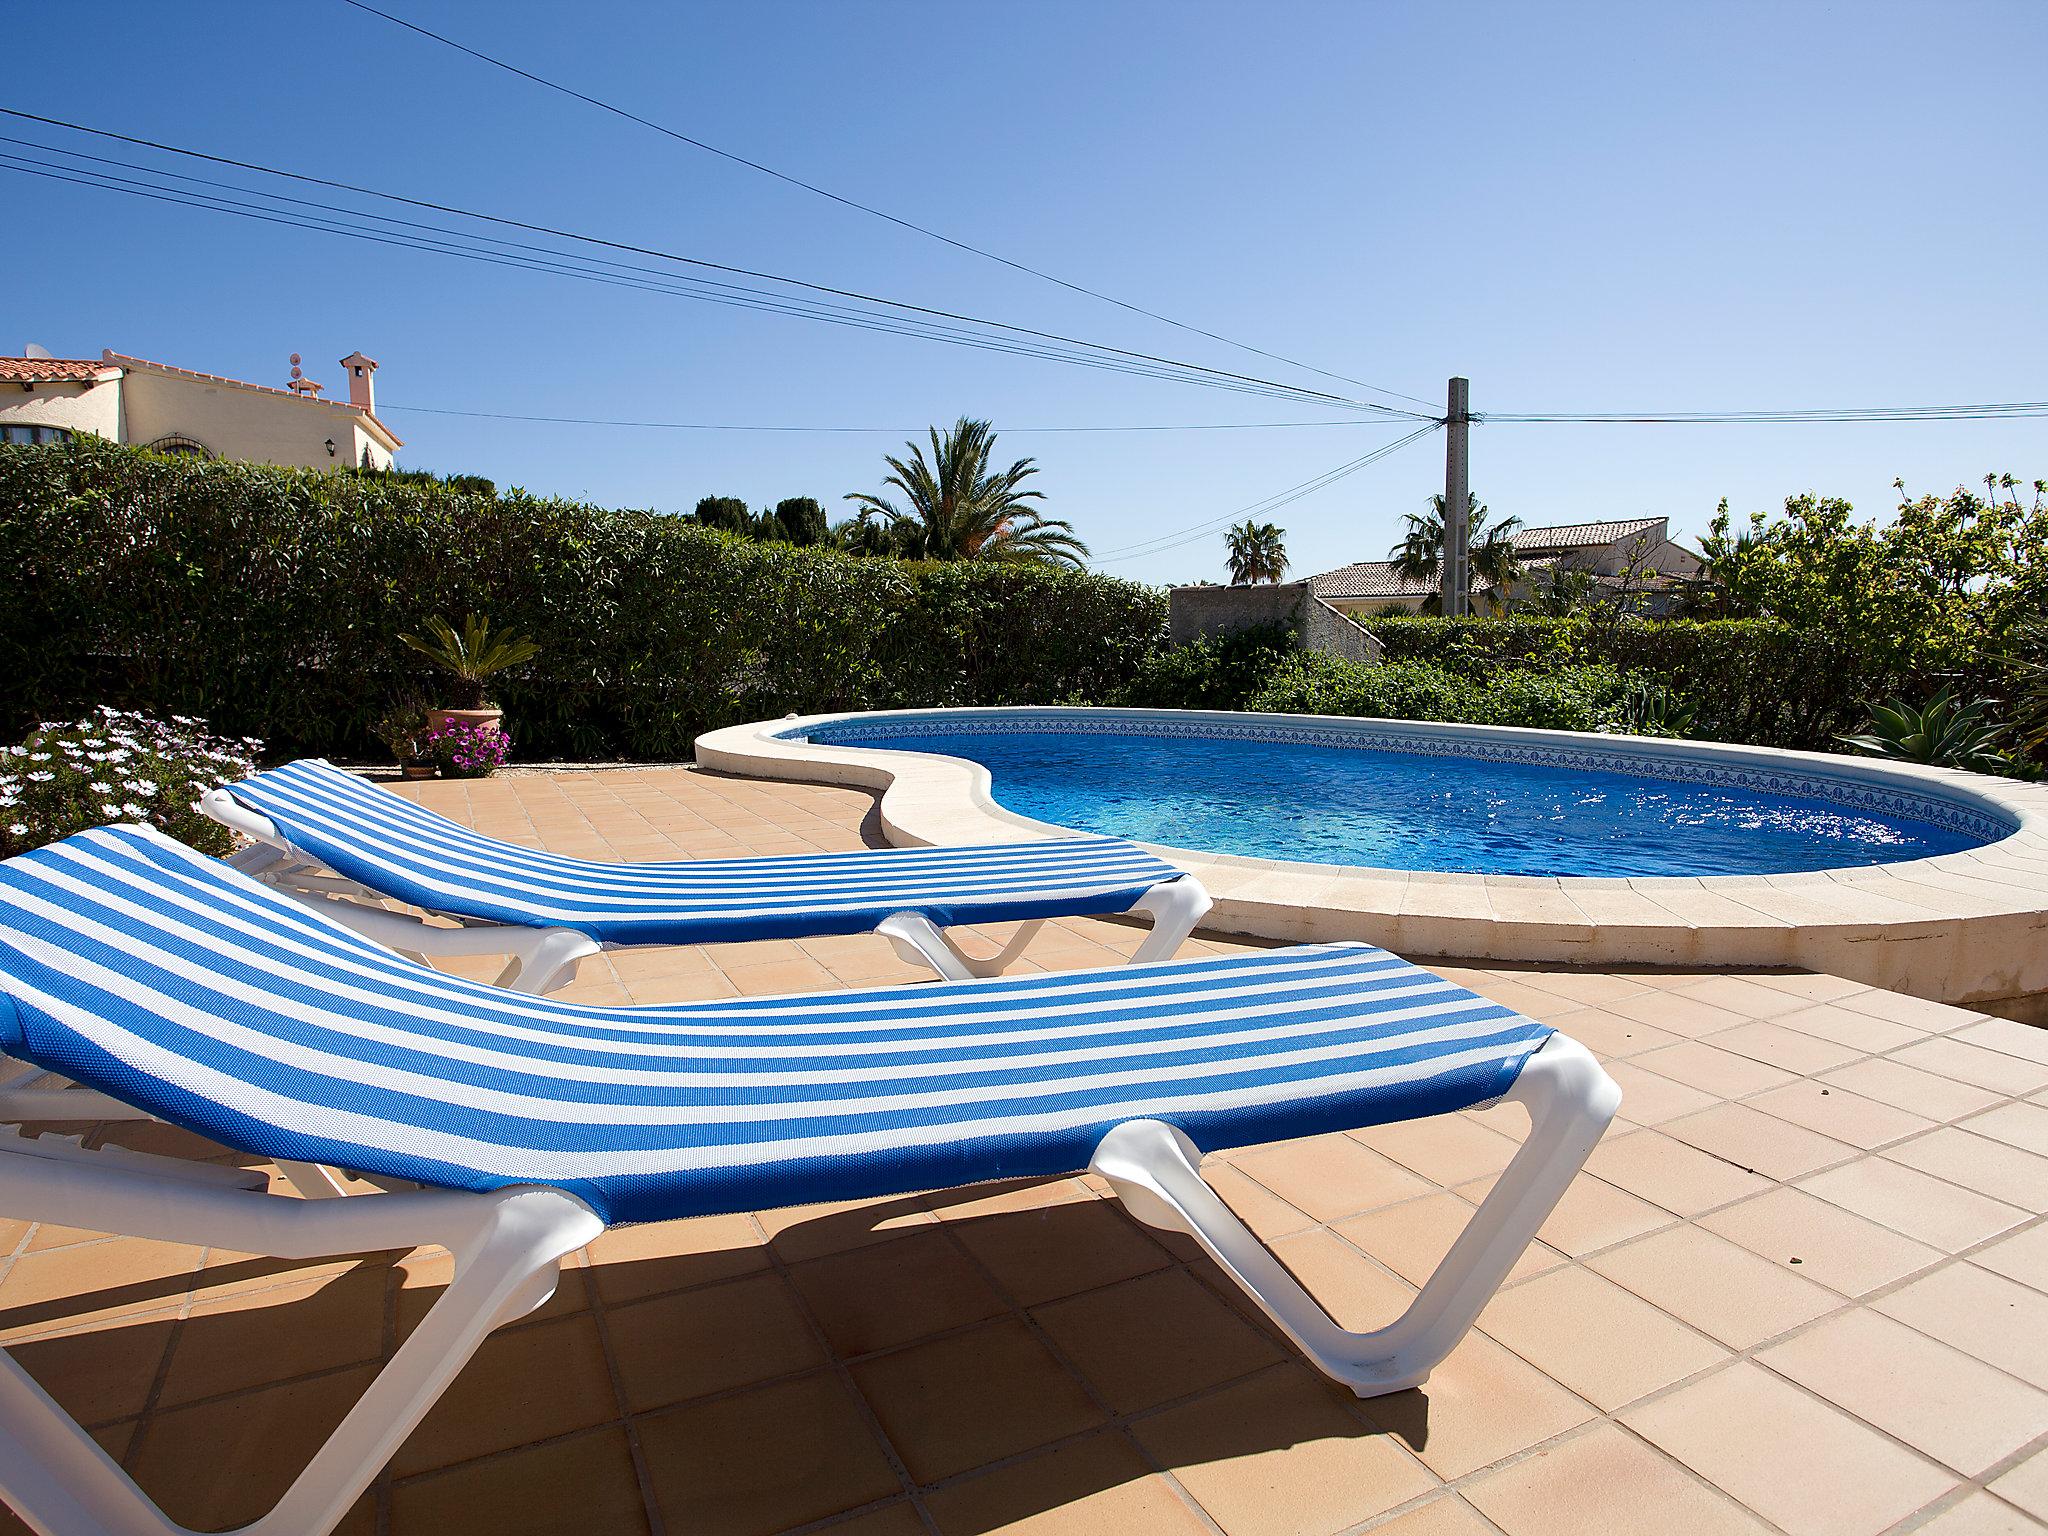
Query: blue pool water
point(1418, 811)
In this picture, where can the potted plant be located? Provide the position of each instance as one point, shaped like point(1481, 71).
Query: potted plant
point(462, 750)
point(404, 734)
point(470, 657)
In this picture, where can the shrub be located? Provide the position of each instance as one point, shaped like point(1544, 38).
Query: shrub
point(1571, 699)
point(115, 766)
point(272, 599)
point(1213, 672)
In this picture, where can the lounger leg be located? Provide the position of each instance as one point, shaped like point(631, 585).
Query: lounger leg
point(507, 1246)
point(917, 938)
point(1152, 1167)
point(1174, 906)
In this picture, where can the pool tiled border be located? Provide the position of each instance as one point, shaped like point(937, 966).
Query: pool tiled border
point(1968, 928)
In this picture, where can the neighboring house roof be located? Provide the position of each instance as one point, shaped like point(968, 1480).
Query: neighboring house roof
point(1583, 535)
point(53, 370)
point(390, 439)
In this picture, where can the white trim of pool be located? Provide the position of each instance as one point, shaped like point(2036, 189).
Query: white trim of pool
point(1968, 928)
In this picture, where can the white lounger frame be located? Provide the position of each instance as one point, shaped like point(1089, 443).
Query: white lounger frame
point(544, 959)
point(508, 1246)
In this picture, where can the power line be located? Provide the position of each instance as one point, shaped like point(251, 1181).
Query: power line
point(907, 313)
point(1194, 533)
point(1993, 410)
point(873, 212)
point(728, 426)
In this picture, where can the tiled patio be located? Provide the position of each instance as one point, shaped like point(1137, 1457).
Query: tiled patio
point(1802, 1287)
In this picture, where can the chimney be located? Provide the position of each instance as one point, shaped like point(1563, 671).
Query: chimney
point(361, 388)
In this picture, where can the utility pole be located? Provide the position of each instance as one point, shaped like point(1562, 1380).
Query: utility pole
point(1457, 556)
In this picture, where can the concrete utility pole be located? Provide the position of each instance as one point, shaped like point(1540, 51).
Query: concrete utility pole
point(1457, 555)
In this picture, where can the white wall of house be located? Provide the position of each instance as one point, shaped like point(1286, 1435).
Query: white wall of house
point(234, 421)
point(72, 407)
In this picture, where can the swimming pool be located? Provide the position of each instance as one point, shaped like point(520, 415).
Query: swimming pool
point(1381, 795)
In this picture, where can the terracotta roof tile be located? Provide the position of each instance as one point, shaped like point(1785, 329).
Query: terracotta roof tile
point(52, 370)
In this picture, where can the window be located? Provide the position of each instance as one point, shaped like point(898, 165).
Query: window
point(178, 443)
point(33, 435)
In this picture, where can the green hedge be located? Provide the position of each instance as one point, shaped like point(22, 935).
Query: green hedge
point(1752, 680)
point(269, 601)
point(1571, 698)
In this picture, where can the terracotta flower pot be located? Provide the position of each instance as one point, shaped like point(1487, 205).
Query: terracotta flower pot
point(436, 718)
point(419, 770)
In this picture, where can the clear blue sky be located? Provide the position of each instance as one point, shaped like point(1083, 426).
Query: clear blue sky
point(1581, 207)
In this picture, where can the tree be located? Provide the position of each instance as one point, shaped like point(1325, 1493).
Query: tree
point(958, 508)
point(1419, 556)
point(798, 520)
point(1562, 592)
point(1257, 553)
point(727, 512)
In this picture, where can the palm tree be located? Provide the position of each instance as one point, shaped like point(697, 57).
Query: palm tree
point(1490, 547)
point(959, 509)
point(1256, 553)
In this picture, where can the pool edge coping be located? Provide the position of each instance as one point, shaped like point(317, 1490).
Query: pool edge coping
point(1969, 927)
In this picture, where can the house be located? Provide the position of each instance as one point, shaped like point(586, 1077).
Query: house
point(1609, 552)
point(179, 410)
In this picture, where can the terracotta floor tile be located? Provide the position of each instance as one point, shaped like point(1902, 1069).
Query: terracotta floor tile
point(1604, 1482)
point(1792, 1458)
point(1039, 1256)
point(2022, 1257)
point(2017, 1125)
point(892, 1293)
point(812, 1231)
point(1154, 1339)
point(1330, 1176)
point(1820, 1241)
point(1670, 1173)
point(1993, 1071)
point(1739, 994)
point(1445, 1149)
point(1593, 1214)
point(93, 1281)
point(898, 1519)
point(1845, 1026)
point(102, 1373)
point(1713, 1070)
point(764, 1461)
point(1980, 1515)
point(1890, 1081)
point(627, 1263)
point(2027, 1041)
point(585, 1484)
point(1990, 1167)
point(1677, 1013)
point(1648, 1099)
point(1607, 1345)
point(1352, 1288)
point(1281, 1455)
point(952, 1404)
point(1411, 1238)
point(1595, 988)
point(2026, 1485)
point(1904, 1009)
point(1936, 1399)
point(222, 1464)
point(524, 1384)
point(246, 1340)
point(1255, 1205)
point(1761, 1143)
point(1099, 1486)
point(1915, 1203)
point(1789, 1049)
point(1719, 1288)
point(1836, 1112)
point(1482, 1404)
point(1445, 1515)
point(1610, 1036)
point(783, 976)
point(2000, 1322)
point(711, 1339)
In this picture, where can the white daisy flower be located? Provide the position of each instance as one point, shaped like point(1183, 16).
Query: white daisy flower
point(101, 787)
point(19, 829)
point(110, 808)
point(41, 777)
point(132, 809)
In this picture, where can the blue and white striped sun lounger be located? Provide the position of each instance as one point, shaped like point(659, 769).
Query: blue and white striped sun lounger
point(179, 985)
point(555, 910)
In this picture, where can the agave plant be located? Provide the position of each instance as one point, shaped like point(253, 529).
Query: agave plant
point(1945, 731)
point(1651, 709)
point(471, 656)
